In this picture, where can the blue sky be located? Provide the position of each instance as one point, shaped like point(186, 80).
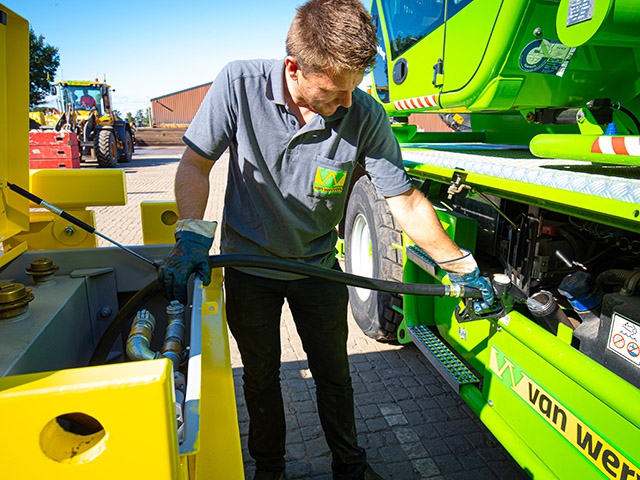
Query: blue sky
point(150, 48)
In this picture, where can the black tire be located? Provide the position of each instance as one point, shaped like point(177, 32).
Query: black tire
point(106, 149)
point(370, 233)
point(127, 151)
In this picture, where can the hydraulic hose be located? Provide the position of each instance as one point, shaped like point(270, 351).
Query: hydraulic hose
point(271, 263)
point(121, 320)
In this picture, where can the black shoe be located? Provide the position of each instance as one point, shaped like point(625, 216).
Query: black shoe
point(370, 474)
point(262, 475)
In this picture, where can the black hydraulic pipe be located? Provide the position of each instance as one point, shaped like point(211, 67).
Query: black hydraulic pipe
point(71, 219)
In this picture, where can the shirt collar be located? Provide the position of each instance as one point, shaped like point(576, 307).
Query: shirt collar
point(275, 83)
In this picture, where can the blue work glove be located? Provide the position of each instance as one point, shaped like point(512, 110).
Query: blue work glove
point(189, 254)
point(475, 280)
point(470, 278)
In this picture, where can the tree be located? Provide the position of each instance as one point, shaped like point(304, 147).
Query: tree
point(142, 118)
point(43, 64)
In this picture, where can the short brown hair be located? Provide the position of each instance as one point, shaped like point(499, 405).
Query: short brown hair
point(332, 36)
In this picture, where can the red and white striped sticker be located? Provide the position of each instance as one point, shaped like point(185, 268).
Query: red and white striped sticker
point(616, 145)
point(429, 101)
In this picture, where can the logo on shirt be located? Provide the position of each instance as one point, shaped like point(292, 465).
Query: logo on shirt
point(329, 182)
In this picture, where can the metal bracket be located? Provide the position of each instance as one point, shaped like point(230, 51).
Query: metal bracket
point(472, 311)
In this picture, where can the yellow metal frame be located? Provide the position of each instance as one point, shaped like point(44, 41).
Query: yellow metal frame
point(77, 188)
point(108, 421)
point(133, 403)
point(14, 139)
point(72, 191)
point(50, 232)
point(158, 221)
point(215, 450)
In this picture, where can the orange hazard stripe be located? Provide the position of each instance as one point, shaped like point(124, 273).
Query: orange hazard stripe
point(616, 145)
point(415, 103)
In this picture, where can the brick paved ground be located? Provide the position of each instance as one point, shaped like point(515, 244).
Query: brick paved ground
point(412, 424)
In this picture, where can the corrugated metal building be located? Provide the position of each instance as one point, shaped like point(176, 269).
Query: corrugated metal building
point(178, 108)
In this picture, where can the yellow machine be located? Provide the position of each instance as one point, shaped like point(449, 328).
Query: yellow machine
point(86, 110)
point(75, 406)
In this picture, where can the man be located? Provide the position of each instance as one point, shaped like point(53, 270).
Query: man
point(285, 122)
point(87, 101)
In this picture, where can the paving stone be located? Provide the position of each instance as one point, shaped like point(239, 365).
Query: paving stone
point(427, 468)
point(448, 463)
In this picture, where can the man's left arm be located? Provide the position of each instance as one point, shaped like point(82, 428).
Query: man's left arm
point(417, 218)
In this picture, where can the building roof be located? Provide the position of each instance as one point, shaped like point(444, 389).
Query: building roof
point(180, 91)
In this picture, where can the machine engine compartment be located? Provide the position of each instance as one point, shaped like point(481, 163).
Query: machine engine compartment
point(578, 272)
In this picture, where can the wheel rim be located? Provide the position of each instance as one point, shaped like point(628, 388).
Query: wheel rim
point(361, 253)
point(113, 149)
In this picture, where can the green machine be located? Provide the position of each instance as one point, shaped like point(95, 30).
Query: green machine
point(540, 178)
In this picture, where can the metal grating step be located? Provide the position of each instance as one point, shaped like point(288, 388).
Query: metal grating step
point(420, 258)
point(441, 357)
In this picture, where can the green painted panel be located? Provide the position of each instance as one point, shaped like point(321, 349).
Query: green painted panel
point(609, 211)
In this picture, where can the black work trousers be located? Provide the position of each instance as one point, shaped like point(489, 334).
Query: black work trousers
point(319, 308)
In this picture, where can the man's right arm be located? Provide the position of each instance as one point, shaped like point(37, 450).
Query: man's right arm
point(194, 236)
point(192, 184)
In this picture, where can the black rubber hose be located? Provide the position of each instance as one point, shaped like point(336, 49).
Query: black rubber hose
point(121, 320)
point(271, 263)
point(614, 277)
point(633, 118)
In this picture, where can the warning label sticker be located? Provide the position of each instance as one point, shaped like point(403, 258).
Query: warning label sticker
point(624, 339)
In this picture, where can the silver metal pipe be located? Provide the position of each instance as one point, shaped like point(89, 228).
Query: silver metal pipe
point(140, 335)
point(173, 345)
point(139, 340)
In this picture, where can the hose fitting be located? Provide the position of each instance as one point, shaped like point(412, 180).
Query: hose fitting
point(140, 335)
point(173, 345)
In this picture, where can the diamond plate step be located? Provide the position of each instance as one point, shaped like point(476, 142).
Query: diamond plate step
point(441, 357)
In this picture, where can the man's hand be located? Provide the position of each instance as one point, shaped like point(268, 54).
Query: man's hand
point(464, 271)
point(475, 280)
point(190, 254)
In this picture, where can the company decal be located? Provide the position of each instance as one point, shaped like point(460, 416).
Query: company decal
point(329, 182)
point(546, 56)
point(593, 447)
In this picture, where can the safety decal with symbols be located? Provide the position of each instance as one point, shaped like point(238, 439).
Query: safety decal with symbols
point(624, 339)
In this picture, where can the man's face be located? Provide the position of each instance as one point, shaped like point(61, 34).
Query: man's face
point(323, 93)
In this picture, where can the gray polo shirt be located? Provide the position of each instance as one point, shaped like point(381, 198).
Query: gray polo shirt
point(287, 185)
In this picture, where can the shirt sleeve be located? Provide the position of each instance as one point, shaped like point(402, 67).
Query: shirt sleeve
point(214, 125)
point(381, 155)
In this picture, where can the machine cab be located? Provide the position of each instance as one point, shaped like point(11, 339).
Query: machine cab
point(85, 96)
point(412, 46)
